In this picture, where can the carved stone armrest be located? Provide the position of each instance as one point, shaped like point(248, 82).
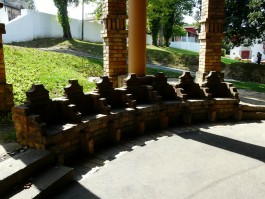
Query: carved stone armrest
point(95, 97)
point(232, 90)
point(149, 91)
point(68, 111)
point(122, 94)
point(104, 107)
point(181, 94)
point(73, 115)
point(156, 98)
point(36, 125)
point(130, 102)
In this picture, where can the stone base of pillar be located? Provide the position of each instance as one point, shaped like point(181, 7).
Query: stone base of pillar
point(118, 81)
point(121, 79)
point(6, 97)
point(200, 77)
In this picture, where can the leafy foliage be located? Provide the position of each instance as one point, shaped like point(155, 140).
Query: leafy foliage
point(168, 13)
point(244, 21)
point(178, 31)
point(31, 4)
point(98, 12)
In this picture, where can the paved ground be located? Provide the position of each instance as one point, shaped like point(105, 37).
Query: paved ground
point(222, 160)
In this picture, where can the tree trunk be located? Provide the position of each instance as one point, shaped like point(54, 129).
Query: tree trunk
point(63, 17)
point(161, 36)
point(155, 26)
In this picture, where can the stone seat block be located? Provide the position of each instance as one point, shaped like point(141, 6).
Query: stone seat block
point(188, 89)
point(165, 90)
point(57, 134)
point(140, 91)
point(41, 118)
point(218, 88)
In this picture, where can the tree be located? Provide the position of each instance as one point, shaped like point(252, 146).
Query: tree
point(154, 29)
point(168, 13)
point(98, 12)
point(154, 20)
point(31, 4)
point(178, 31)
point(257, 17)
point(197, 14)
point(63, 14)
point(244, 21)
point(63, 18)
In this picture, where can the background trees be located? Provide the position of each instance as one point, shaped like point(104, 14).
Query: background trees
point(163, 15)
point(244, 21)
point(31, 4)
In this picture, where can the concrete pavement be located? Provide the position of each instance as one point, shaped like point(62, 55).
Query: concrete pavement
point(220, 160)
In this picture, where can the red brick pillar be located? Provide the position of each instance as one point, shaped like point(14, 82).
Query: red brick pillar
point(212, 20)
point(6, 95)
point(115, 39)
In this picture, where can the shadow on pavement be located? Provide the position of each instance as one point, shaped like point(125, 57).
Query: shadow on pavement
point(76, 191)
point(235, 146)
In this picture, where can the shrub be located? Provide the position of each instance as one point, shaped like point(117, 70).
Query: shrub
point(245, 72)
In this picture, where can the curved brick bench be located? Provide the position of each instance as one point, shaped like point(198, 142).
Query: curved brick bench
point(83, 121)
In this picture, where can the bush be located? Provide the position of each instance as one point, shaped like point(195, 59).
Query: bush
point(247, 72)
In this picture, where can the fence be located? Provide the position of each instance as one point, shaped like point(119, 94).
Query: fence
point(186, 45)
point(33, 25)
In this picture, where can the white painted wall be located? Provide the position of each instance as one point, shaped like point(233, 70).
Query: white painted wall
point(192, 46)
point(3, 16)
point(254, 49)
point(149, 40)
point(32, 25)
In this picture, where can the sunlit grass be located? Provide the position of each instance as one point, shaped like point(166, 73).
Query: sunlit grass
point(25, 67)
point(249, 86)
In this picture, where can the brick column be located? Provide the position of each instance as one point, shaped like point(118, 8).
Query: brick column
point(137, 37)
point(6, 95)
point(115, 39)
point(212, 21)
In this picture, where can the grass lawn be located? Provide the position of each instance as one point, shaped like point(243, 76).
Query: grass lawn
point(249, 86)
point(169, 74)
point(25, 66)
point(93, 49)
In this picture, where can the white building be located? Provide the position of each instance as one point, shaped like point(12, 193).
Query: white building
point(249, 52)
point(11, 9)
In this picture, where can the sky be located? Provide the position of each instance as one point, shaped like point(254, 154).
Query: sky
point(48, 6)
